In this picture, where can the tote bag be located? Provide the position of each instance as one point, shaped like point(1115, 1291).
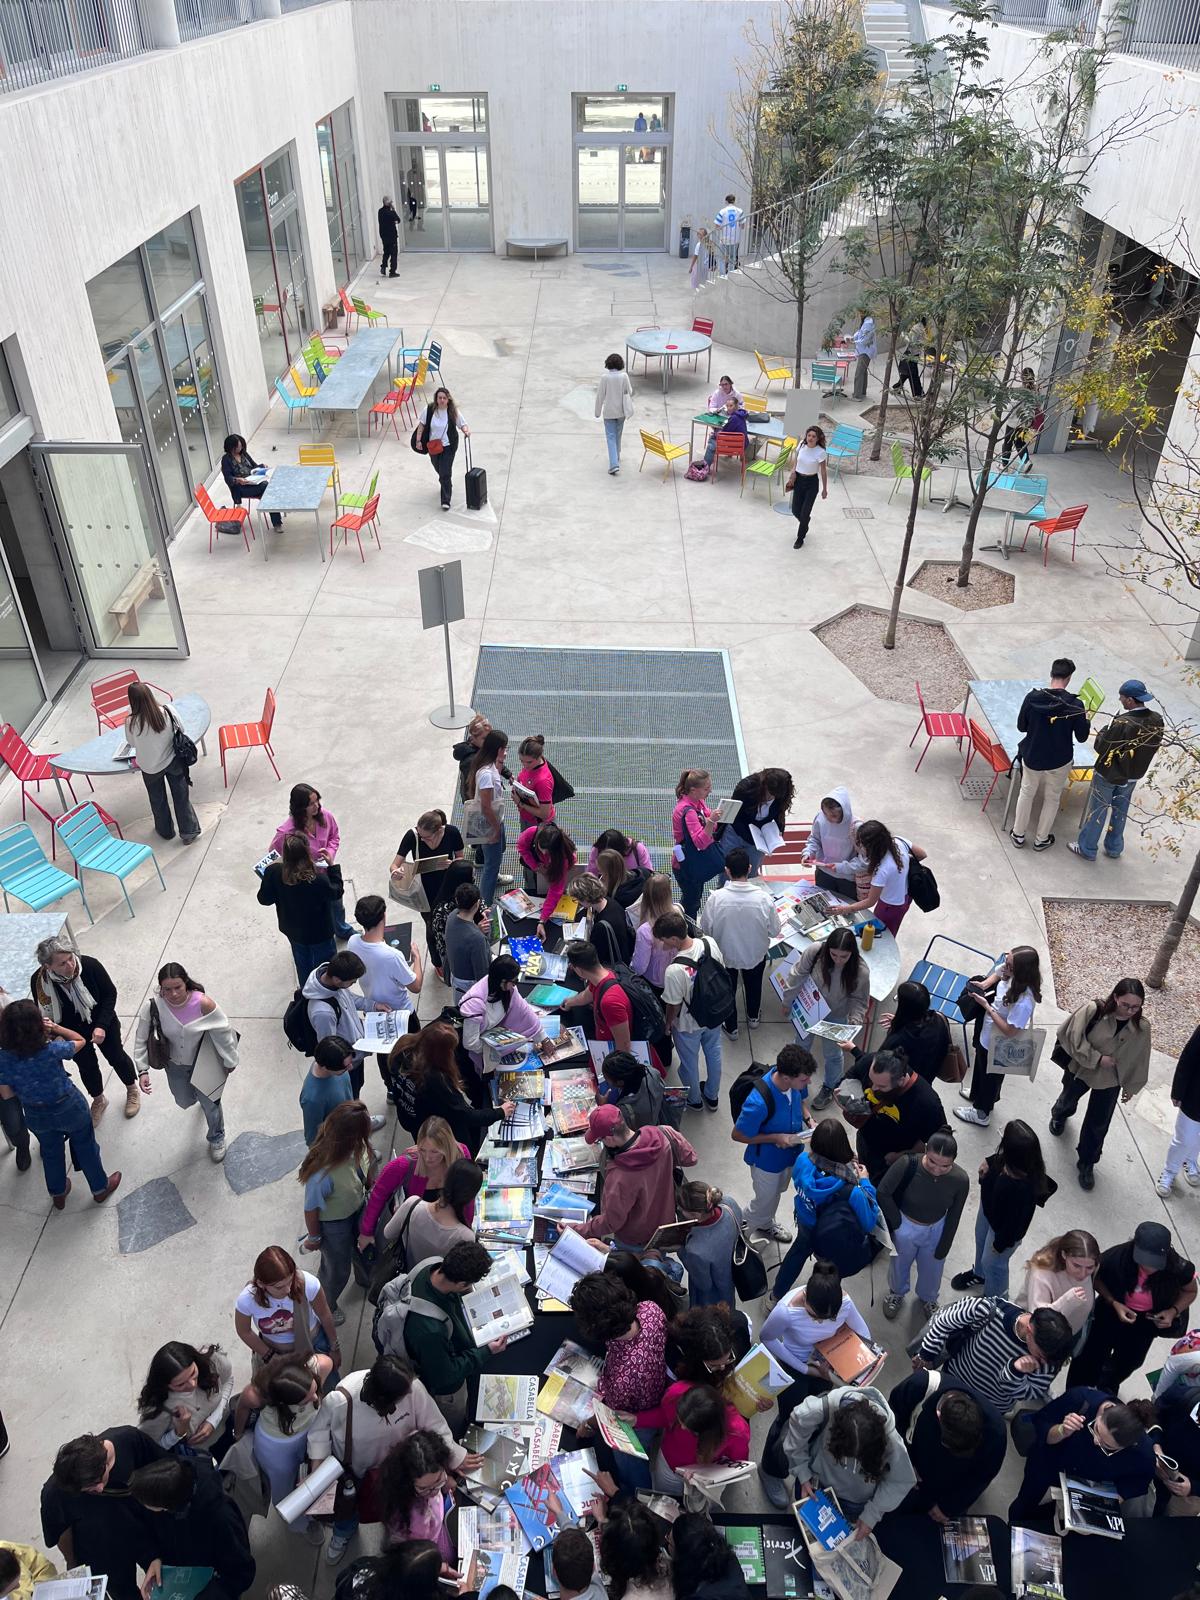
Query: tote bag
point(407, 888)
point(476, 828)
point(1018, 1054)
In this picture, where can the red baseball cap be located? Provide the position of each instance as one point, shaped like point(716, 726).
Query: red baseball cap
point(602, 1123)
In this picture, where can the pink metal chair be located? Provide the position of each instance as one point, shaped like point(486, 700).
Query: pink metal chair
point(982, 745)
point(353, 522)
point(110, 697)
point(28, 768)
point(1067, 521)
point(938, 725)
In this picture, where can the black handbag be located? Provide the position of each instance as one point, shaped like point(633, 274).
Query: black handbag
point(969, 1005)
point(749, 1272)
point(562, 789)
point(415, 442)
point(183, 745)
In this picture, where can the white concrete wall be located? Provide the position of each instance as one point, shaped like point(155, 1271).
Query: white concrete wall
point(529, 58)
point(95, 164)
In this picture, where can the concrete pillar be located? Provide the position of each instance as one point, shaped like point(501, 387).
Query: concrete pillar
point(160, 23)
point(1111, 22)
point(267, 8)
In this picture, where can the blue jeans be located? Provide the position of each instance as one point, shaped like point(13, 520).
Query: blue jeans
point(690, 1046)
point(68, 1120)
point(1102, 796)
point(338, 1239)
point(308, 956)
point(493, 855)
point(991, 1264)
point(613, 428)
point(793, 1262)
point(835, 1058)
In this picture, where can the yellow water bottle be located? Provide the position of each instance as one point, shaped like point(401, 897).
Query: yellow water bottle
point(868, 935)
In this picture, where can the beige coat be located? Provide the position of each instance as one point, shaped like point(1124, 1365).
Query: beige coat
point(1130, 1048)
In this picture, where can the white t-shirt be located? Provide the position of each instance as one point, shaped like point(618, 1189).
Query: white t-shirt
point(808, 458)
point(275, 1319)
point(489, 778)
point(728, 219)
point(439, 424)
point(384, 982)
point(892, 880)
point(677, 983)
point(1017, 1012)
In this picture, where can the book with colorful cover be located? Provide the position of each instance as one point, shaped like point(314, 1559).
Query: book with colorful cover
point(529, 1084)
point(505, 1459)
point(567, 910)
point(573, 1361)
point(851, 1358)
point(573, 1154)
point(746, 1544)
point(557, 1201)
point(505, 1203)
point(492, 1569)
point(565, 1399)
point(822, 1516)
point(569, 1043)
point(618, 1434)
point(500, 1039)
point(967, 1551)
point(570, 1114)
point(513, 1172)
point(521, 907)
point(757, 1376)
point(551, 995)
point(506, 1397)
point(535, 961)
point(540, 1503)
point(1037, 1564)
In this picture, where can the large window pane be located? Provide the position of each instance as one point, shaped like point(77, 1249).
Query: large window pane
point(21, 692)
point(467, 197)
point(439, 113)
point(120, 306)
point(329, 190)
point(8, 395)
point(290, 265)
point(174, 264)
point(212, 400)
point(645, 210)
point(621, 113)
point(260, 262)
point(599, 197)
point(278, 177)
point(164, 434)
point(187, 399)
point(421, 197)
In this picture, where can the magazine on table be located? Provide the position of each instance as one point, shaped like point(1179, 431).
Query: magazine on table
point(562, 1204)
point(573, 1361)
point(821, 1517)
point(505, 1459)
point(526, 1122)
point(550, 1582)
point(518, 904)
point(1089, 1507)
point(786, 1565)
point(490, 1569)
point(529, 1084)
point(569, 1044)
point(520, 1172)
point(967, 1551)
point(746, 1544)
point(547, 1436)
point(497, 1529)
point(495, 1310)
point(575, 1469)
point(506, 1262)
point(510, 1203)
point(853, 1360)
point(80, 1583)
point(757, 1376)
point(540, 1503)
point(1037, 1564)
point(570, 1113)
point(566, 914)
point(618, 1434)
point(565, 1399)
point(504, 1397)
point(573, 1155)
point(570, 1259)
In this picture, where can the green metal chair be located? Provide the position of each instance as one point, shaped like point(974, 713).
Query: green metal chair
point(363, 310)
point(1092, 695)
point(901, 471)
point(770, 470)
point(357, 501)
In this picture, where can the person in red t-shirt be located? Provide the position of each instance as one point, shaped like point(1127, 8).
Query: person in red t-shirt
point(610, 1004)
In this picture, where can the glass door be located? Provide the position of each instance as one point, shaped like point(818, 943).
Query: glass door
point(22, 691)
point(101, 503)
point(599, 198)
point(420, 185)
point(644, 198)
point(159, 407)
point(468, 207)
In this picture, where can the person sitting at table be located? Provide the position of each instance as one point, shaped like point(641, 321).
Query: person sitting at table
point(735, 422)
point(718, 400)
point(236, 466)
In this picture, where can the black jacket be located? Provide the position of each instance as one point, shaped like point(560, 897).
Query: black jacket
point(952, 1483)
point(1118, 1272)
point(235, 471)
point(730, 1585)
point(1185, 1085)
point(389, 221)
point(1008, 1203)
point(304, 911)
point(1051, 720)
point(1125, 749)
point(437, 1098)
point(924, 1044)
point(98, 984)
point(464, 752)
point(209, 1532)
point(746, 790)
point(108, 1529)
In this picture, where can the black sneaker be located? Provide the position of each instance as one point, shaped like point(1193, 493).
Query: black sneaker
point(1018, 840)
point(1087, 1175)
point(1044, 844)
point(798, 544)
point(710, 1105)
point(1057, 1123)
point(966, 1280)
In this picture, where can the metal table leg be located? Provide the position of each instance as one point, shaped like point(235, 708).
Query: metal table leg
point(317, 525)
point(1014, 788)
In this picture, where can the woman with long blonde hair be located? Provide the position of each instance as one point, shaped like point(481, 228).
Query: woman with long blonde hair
point(420, 1171)
point(1062, 1275)
point(150, 730)
point(337, 1174)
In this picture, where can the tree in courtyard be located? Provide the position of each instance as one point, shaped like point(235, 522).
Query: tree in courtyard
point(804, 96)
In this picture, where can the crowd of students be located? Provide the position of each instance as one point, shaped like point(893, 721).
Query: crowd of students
point(867, 1163)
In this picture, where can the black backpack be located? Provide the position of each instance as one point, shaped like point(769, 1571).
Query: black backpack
point(838, 1236)
point(649, 1022)
point(404, 1096)
point(740, 1090)
point(297, 1025)
point(714, 991)
point(922, 886)
point(562, 789)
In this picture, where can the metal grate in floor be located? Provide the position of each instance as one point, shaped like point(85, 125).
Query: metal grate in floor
point(620, 725)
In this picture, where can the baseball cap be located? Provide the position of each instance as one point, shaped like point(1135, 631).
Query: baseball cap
point(1151, 1245)
point(605, 1121)
point(1135, 689)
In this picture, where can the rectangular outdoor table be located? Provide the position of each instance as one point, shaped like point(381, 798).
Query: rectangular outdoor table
point(762, 428)
point(1000, 700)
point(1011, 503)
point(295, 489)
point(353, 377)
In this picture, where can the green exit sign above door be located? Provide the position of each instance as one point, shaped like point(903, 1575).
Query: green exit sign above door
point(435, 88)
point(622, 88)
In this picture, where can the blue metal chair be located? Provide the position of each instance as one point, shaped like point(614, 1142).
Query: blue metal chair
point(28, 876)
point(416, 352)
point(946, 983)
point(293, 402)
point(93, 846)
point(828, 376)
point(1023, 485)
point(845, 444)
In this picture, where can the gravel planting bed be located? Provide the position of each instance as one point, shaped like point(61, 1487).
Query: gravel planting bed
point(924, 653)
point(988, 585)
point(1093, 943)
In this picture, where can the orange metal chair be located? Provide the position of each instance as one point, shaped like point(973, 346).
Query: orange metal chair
point(353, 522)
point(404, 393)
point(28, 768)
point(348, 308)
point(214, 513)
point(1067, 521)
point(385, 410)
point(938, 725)
point(733, 445)
point(249, 736)
point(110, 697)
point(982, 745)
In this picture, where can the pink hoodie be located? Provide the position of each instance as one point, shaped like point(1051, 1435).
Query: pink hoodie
point(537, 863)
point(639, 1186)
point(323, 840)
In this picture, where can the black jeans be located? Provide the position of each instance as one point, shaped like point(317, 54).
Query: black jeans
point(774, 1461)
point(12, 1120)
point(176, 778)
point(1100, 1107)
point(1015, 437)
point(114, 1053)
point(910, 373)
point(985, 1085)
point(255, 491)
point(804, 498)
point(443, 465)
point(752, 982)
point(1114, 1349)
point(391, 244)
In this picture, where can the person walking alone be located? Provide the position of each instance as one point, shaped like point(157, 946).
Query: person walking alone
point(1052, 720)
point(150, 729)
point(199, 1043)
point(1184, 1149)
point(614, 404)
point(865, 348)
point(389, 237)
point(1124, 751)
point(439, 439)
point(1104, 1049)
point(808, 473)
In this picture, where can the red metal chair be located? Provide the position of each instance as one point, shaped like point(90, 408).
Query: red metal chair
point(348, 308)
point(982, 745)
point(702, 325)
point(249, 736)
point(28, 768)
point(734, 446)
point(1067, 521)
point(110, 697)
point(353, 522)
point(385, 410)
point(938, 725)
point(215, 513)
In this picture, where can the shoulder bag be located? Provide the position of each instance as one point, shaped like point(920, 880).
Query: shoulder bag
point(749, 1272)
point(1062, 1057)
point(158, 1048)
point(181, 743)
point(407, 888)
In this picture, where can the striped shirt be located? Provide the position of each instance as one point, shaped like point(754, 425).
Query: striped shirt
point(987, 1346)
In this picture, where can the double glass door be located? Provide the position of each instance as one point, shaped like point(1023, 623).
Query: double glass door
point(621, 197)
point(444, 197)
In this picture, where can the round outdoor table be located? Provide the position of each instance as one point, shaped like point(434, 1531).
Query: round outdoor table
point(667, 345)
point(98, 756)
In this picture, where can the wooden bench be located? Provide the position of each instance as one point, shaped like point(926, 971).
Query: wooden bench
point(535, 245)
point(146, 584)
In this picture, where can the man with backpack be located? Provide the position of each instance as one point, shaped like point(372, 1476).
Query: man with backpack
point(770, 1112)
point(744, 920)
point(625, 1008)
point(698, 996)
point(639, 1181)
point(420, 1317)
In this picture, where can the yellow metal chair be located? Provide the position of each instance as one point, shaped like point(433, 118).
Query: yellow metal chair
point(781, 375)
point(410, 383)
point(770, 470)
point(654, 444)
point(755, 404)
point(321, 455)
point(307, 390)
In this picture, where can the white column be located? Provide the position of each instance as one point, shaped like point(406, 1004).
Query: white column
point(267, 8)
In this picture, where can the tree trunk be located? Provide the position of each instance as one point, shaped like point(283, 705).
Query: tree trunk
point(877, 442)
point(1157, 975)
point(800, 283)
point(985, 469)
point(889, 633)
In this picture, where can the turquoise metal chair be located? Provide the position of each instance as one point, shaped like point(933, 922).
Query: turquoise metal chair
point(1023, 484)
point(845, 445)
point(293, 402)
point(28, 876)
point(94, 848)
point(828, 376)
point(415, 351)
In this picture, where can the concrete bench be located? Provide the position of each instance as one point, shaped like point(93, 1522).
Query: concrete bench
point(535, 245)
point(145, 585)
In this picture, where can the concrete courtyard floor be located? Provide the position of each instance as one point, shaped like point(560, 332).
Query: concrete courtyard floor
point(574, 557)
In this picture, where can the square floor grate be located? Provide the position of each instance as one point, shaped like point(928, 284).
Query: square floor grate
point(620, 725)
point(858, 513)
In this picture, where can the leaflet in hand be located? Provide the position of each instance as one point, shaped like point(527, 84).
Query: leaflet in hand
point(78, 1584)
point(757, 1376)
point(496, 1309)
point(570, 1259)
point(504, 1397)
point(381, 1029)
point(540, 1504)
point(618, 1434)
point(839, 1032)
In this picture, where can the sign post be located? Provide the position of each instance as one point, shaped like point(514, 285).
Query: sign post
point(441, 604)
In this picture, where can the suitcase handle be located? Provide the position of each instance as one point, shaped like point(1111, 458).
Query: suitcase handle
point(467, 442)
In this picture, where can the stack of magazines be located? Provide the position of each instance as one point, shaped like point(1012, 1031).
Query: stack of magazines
point(506, 1215)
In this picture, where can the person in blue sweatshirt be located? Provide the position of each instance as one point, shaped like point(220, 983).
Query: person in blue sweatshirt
point(1052, 720)
point(823, 1173)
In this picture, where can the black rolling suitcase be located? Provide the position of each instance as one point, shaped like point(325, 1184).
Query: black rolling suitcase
point(476, 484)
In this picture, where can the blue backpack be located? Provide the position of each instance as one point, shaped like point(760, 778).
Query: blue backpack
point(838, 1236)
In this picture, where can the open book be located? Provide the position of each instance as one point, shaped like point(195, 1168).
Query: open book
point(851, 1357)
point(570, 1259)
point(496, 1308)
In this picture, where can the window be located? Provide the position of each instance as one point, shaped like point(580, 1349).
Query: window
point(622, 171)
point(174, 263)
point(440, 160)
point(120, 304)
point(621, 113)
point(269, 211)
point(440, 113)
point(339, 184)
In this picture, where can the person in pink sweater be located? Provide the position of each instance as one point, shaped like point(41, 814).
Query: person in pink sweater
point(632, 851)
point(321, 830)
point(639, 1182)
point(548, 853)
point(421, 1170)
point(700, 1428)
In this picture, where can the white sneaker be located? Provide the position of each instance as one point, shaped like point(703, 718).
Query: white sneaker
point(978, 1119)
point(964, 1091)
point(216, 1152)
point(1191, 1175)
point(753, 1022)
point(774, 1230)
point(314, 1533)
point(1164, 1185)
point(377, 1122)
